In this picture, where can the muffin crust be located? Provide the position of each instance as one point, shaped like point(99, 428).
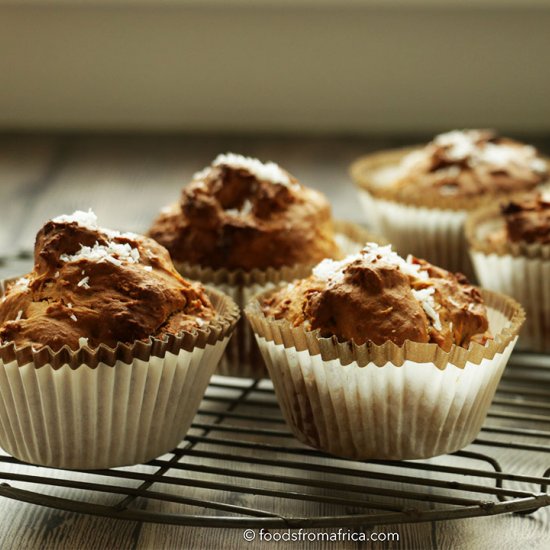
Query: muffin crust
point(528, 219)
point(467, 164)
point(240, 213)
point(377, 296)
point(94, 286)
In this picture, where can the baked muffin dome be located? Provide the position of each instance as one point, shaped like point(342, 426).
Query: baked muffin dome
point(527, 219)
point(378, 296)
point(469, 163)
point(240, 213)
point(98, 285)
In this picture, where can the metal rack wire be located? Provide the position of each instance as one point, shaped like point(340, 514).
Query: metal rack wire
point(240, 467)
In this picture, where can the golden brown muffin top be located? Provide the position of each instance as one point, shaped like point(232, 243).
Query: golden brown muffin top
point(528, 218)
point(470, 163)
point(378, 296)
point(95, 286)
point(240, 213)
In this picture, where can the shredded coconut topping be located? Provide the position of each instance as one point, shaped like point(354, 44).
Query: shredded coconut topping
point(73, 317)
point(330, 270)
point(467, 146)
point(84, 219)
point(84, 283)
point(244, 210)
point(459, 144)
point(334, 271)
point(116, 253)
point(82, 341)
point(89, 221)
point(19, 315)
point(463, 145)
point(426, 298)
point(23, 281)
point(265, 171)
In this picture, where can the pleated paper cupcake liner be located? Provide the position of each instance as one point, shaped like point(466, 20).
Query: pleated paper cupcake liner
point(385, 402)
point(520, 270)
point(105, 407)
point(242, 357)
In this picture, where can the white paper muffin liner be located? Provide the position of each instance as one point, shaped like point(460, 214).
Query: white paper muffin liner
point(385, 402)
point(93, 409)
point(242, 358)
point(519, 270)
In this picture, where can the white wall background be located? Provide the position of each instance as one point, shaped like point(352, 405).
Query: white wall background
point(274, 65)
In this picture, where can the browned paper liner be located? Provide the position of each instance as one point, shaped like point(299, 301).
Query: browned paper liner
point(385, 402)
point(108, 407)
point(510, 313)
point(242, 357)
point(521, 270)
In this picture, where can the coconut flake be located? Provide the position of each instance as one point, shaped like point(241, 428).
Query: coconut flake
point(112, 260)
point(426, 298)
point(265, 171)
point(459, 144)
point(84, 282)
point(82, 341)
point(81, 218)
point(19, 315)
point(115, 253)
point(333, 271)
point(89, 221)
point(23, 281)
point(73, 317)
point(539, 165)
point(148, 268)
point(244, 210)
point(198, 176)
point(464, 145)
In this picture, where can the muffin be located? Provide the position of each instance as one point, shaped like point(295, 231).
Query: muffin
point(244, 226)
point(510, 250)
point(105, 350)
point(419, 197)
point(377, 357)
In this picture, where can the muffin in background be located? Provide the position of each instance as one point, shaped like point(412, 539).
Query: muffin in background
point(419, 197)
point(240, 213)
point(105, 350)
point(244, 226)
point(378, 357)
point(510, 250)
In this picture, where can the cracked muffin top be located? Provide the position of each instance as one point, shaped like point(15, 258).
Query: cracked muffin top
point(241, 213)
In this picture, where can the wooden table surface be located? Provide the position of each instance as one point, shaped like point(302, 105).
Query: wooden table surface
point(125, 180)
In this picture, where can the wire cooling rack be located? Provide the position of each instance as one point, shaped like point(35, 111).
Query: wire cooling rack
point(240, 467)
